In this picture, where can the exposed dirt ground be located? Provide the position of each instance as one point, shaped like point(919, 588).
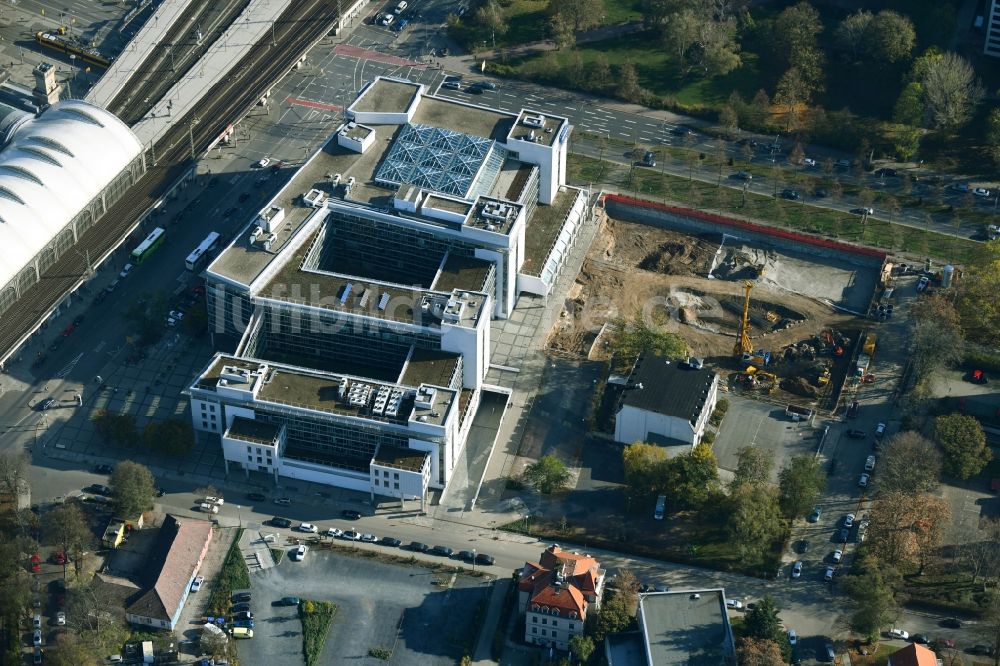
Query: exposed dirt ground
point(633, 269)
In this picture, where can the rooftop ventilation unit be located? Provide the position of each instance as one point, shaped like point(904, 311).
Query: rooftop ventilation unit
point(336, 180)
point(255, 234)
point(453, 311)
point(383, 301)
point(234, 374)
point(425, 397)
point(534, 121)
point(364, 298)
point(496, 210)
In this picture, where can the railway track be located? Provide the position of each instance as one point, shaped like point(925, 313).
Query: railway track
point(304, 23)
point(174, 56)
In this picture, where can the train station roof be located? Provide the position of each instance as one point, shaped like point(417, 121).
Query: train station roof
point(51, 167)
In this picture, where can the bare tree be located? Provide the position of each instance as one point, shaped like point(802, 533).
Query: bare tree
point(897, 473)
point(906, 528)
point(13, 474)
point(951, 91)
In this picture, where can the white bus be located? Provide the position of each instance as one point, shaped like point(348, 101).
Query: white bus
point(202, 252)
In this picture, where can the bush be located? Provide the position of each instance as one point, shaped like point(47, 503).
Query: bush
point(708, 437)
point(234, 575)
point(978, 360)
point(722, 406)
point(316, 617)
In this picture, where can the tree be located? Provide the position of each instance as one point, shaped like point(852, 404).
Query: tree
point(758, 652)
point(909, 109)
point(490, 16)
point(69, 650)
point(891, 39)
point(870, 588)
point(753, 466)
point(91, 608)
point(853, 32)
point(762, 622)
point(904, 528)
point(951, 91)
point(794, 41)
point(172, 437)
point(644, 469)
point(561, 32)
point(799, 484)
point(582, 646)
point(977, 302)
point(13, 474)
point(937, 336)
point(760, 107)
point(132, 487)
point(964, 443)
point(66, 528)
point(627, 589)
point(691, 477)
point(628, 83)
point(792, 91)
point(981, 551)
point(993, 135)
point(118, 429)
point(630, 339)
point(580, 14)
point(897, 473)
point(548, 475)
point(681, 31)
point(612, 619)
point(729, 118)
point(754, 521)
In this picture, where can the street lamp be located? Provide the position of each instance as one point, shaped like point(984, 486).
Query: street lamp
point(239, 513)
point(473, 560)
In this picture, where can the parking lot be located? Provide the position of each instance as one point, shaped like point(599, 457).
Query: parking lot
point(760, 424)
point(379, 605)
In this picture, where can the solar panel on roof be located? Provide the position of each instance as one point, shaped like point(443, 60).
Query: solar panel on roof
point(383, 301)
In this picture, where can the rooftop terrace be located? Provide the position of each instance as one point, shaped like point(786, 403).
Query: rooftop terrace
point(544, 128)
point(426, 366)
point(543, 229)
point(322, 393)
point(465, 273)
point(386, 96)
point(249, 430)
point(397, 457)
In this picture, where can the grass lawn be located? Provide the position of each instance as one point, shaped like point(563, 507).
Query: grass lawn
point(681, 538)
point(316, 617)
point(653, 185)
point(657, 69)
point(528, 22)
point(277, 554)
point(942, 588)
point(234, 575)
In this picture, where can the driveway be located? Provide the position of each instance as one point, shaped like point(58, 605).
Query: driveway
point(422, 616)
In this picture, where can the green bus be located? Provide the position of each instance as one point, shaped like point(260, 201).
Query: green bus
point(148, 246)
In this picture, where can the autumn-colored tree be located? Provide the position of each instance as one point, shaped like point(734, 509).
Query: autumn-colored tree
point(977, 302)
point(754, 521)
point(753, 466)
point(906, 528)
point(937, 336)
point(758, 652)
point(643, 465)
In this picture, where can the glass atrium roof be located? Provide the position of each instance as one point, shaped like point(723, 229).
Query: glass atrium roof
point(435, 158)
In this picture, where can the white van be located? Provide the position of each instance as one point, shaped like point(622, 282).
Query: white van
point(661, 505)
point(209, 508)
point(242, 632)
point(401, 7)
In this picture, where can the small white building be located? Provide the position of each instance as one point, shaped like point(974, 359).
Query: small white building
point(667, 402)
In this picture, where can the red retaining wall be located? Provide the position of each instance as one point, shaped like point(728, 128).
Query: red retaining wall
point(750, 226)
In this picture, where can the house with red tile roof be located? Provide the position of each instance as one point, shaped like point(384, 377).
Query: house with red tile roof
point(177, 555)
point(556, 593)
point(913, 655)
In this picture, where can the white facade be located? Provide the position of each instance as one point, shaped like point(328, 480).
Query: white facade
point(636, 425)
point(551, 628)
point(992, 44)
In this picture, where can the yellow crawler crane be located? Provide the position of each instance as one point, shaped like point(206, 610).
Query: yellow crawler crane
point(743, 344)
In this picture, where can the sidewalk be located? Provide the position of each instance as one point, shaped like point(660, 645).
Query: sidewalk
point(483, 654)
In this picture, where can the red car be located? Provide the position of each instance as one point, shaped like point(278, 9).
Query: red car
point(58, 557)
point(946, 642)
point(979, 377)
point(36, 563)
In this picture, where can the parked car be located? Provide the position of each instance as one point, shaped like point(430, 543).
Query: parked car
point(951, 623)
point(734, 604)
point(241, 597)
point(46, 404)
point(350, 514)
point(484, 559)
point(793, 638)
point(245, 624)
point(388, 19)
point(856, 434)
point(282, 501)
point(849, 521)
point(60, 619)
point(790, 194)
point(125, 271)
point(452, 82)
point(899, 633)
point(287, 601)
point(981, 192)
point(391, 542)
point(351, 535)
point(103, 469)
point(880, 431)
point(36, 621)
point(828, 574)
point(841, 536)
point(869, 463)
point(369, 538)
point(442, 551)
point(648, 159)
point(816, 513)
point(262, 162)
point(922, 639)
point(256, 497)
point(36, 638)
point(240, 607)
point(797, 569)
point(743, 175)
point(922, 283)
point(334, 533)
point(196, 583)
point(281, 522)
point(308, 528)
point(218, 501)
point(837, 555)
point(979, 377)
point(885, 172)
point(852, 411)
point(36, 563)
point(418, 547)
point(946, 642)
point(298, 554)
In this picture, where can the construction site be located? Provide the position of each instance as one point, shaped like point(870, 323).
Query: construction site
point(774, 315)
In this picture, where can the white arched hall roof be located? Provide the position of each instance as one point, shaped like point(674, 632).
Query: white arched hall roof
point(52, 167)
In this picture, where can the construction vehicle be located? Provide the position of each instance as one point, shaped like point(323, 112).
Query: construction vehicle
point(864, 360)
point(823, 378)
point(757, 378)
point(743, 345)
point(869, 347)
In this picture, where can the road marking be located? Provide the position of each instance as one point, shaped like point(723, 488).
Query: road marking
point(69, 367)
point(630, 122)
point(100, 346)
point(314, 105)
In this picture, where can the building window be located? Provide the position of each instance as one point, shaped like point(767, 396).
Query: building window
point(249, 449)
point(555, 622)
point(204, 424)
point(572, 626)
point(211, 408)
point(269, 453)
point(544, 632)
point(385, 473)
point(258, 450)
point(534, 630)
point(395, 475)
point(545, 620)
point(249, 458)
point(394, 485)
point(259, 460)
point(534, 619)
point(203, 407)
